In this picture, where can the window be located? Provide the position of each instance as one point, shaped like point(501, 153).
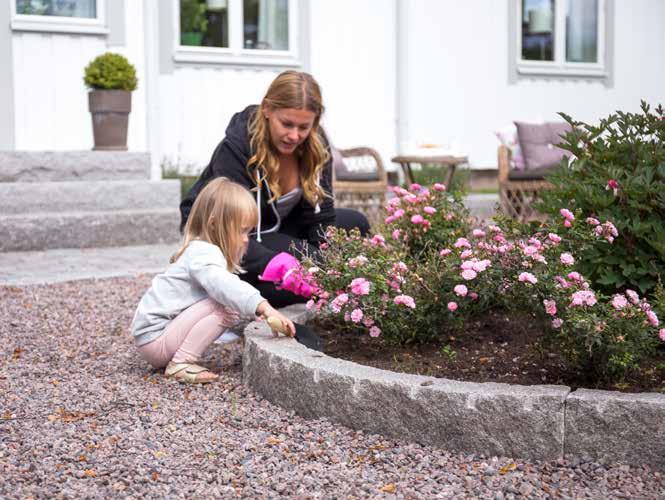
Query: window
point(561, 37)
point(237, 31)
point(66, 16)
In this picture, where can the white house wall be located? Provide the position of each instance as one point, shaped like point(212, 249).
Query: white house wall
point(353, 56)
point(458, 90)
point(50, 99)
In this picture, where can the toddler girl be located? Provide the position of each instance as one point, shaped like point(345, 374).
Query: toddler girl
point(200, 294)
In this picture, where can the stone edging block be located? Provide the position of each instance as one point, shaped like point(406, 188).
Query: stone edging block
point(535, 422)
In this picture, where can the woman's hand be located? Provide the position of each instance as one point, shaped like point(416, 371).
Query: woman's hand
point(276, 320)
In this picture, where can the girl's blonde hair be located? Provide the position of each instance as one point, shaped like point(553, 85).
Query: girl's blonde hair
point(220, 212)
point(295, 90)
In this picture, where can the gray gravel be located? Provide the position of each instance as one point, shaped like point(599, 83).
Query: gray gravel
point(82, 416)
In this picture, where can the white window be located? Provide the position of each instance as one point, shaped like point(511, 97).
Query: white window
point(565, 37)
point(60, 16)
point(260, 32)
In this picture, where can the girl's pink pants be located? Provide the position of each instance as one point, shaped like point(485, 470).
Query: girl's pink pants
point(189, 334)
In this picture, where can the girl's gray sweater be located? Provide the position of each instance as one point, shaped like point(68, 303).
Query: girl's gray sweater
point(200, 272)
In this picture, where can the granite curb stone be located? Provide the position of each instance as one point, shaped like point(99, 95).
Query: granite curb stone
point(535, 422)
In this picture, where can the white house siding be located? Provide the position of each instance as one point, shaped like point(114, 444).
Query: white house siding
point(196, 104)
point(51, 102)
point(353, 56)
point(457, 67)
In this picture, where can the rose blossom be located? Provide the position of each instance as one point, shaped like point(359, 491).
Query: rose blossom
point(469, 274)
point(567, 223)
point(439, 187)
point(567, 214)
point(550, 307)
point(633, 296)
point(619, 302)
point(661, 334)
point(554, 238)
point(378, 240)
point(445, 252)
point(360, 286)
point(405, 300)
point(417, 219)
point(583, 298)
point(452, 306)
point(356, 315)
point(478, 233)
point(592, 221)
point(358, 261)
point(375, 331)
point(429, 210)
point(415, 187)
point(556, 323)
point(473, 295)
point(461, 290)
point(396, 234)
point(462, 242)
point(653, 319)
point(567, 259)
point(466, 254)
point(527, 277)
point(575, 276)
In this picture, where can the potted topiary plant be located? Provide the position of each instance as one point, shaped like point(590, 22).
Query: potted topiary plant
point(111, 79)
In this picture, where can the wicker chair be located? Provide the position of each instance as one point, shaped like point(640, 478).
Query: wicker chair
point(360, 181)
point(520, 189)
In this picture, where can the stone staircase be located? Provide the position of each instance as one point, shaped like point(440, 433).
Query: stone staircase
point(84, 199)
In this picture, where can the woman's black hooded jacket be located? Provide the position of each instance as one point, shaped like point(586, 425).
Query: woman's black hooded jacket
point(230, 160)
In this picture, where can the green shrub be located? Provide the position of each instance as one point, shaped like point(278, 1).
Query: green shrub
point(110, 72)
point(192, 16)
point(618, 174)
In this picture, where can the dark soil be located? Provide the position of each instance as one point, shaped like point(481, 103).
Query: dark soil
point(496, 348)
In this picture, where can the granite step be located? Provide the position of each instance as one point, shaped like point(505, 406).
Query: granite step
point(56, 166)
point(41, 231)
point(84, 196)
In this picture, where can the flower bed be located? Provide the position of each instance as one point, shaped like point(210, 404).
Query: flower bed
point(428, 271)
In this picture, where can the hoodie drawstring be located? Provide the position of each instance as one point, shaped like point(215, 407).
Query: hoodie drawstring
point(258, 204)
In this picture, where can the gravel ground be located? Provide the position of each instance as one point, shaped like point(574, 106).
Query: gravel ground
point(82, 416)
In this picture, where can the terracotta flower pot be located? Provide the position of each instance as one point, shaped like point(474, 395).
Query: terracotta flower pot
point(110, 116)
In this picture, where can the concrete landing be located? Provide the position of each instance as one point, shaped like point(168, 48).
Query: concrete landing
point(54, 266)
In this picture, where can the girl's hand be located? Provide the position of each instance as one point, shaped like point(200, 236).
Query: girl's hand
point(276, 320)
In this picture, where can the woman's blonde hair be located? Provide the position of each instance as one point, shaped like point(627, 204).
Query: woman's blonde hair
point(220, 212)
point(295, 90)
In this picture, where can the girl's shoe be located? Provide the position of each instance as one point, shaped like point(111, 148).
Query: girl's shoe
point(189, 373)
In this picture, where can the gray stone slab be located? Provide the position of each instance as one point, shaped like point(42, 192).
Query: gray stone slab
point(88, 229)
point(45, 166)
point(494, 419)
point(482, 205)
point(34, 197)
point(612, 426)
point(54, 266)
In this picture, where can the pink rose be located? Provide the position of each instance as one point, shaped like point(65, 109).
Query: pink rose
point(375, 331)
point(592, 221)
point(429, 210)
point(445, 252)
point(398, 213)
point(396, 234)
point(575, 276)
point(360, 286)
point(378, 240)
point(439, 187)
point(633, 296)
point(473, 295)
point(554, 238)
point(567, 214)
point(405, 300)
point(466, 254)
point(478, 233)
point(461, 290)
point(567, 223)
point(653, 319)
point(661, 334)
point(527, 278)
point(469, 274)
point(417, 219)
point(619, 302)
point(550, 307)
point(452, 306)
point(462, 242)
point(567, 259)
point(415, 187)
point(556, 323)
point(583, 298)
point(356, 315)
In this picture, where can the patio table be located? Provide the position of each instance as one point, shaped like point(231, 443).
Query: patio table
point(405, 162)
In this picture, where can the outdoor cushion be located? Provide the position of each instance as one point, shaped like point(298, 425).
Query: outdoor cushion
point(508, 137)
point(538, 142)
point(535, 174)
point(361, 168)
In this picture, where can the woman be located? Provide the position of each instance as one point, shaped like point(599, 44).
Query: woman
point(278, 151)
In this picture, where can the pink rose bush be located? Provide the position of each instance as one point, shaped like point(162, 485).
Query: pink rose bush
point(437, 271)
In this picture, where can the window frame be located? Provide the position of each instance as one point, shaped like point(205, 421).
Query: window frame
point(235, 53)
point(61, 24)
point(559, 66)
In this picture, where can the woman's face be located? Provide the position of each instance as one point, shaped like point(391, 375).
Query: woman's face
point(289, 128)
